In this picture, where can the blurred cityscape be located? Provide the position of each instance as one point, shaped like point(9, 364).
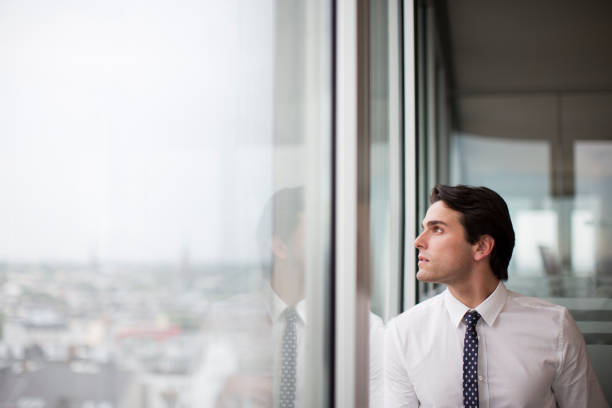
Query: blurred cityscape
point(108, 336)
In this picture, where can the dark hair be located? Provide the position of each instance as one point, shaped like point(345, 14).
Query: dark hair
point(483, 212)
point(280, 219)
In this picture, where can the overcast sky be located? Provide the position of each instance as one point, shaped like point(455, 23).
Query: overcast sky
point(134, 129)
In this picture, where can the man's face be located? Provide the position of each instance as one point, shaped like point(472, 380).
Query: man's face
point(445, 256)
point(289, 252)
point(296, 245)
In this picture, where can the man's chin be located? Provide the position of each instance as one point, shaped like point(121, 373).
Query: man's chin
point(423, 276)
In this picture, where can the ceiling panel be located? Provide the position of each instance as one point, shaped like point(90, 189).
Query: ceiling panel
point(521, 45)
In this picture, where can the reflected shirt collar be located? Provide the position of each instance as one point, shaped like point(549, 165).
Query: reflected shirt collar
point(276, 306)
point(489, 309)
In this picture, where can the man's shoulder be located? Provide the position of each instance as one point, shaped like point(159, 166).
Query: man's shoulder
point(534, 305)
point(239, 312)
point(421, 313)
point(242, 301)
point(541, 313)
point(376, 322)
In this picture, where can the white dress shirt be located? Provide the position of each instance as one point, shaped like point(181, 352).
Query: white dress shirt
point(530, 354)
point(245, 339)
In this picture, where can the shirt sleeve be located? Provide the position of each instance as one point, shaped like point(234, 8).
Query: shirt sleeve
point(399, 391)
point(575, 384)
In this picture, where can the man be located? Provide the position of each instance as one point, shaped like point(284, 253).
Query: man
point(478, 344)
point(261, 334)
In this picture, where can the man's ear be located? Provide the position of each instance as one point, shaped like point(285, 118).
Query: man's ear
point(279, 248)
point(483, 247)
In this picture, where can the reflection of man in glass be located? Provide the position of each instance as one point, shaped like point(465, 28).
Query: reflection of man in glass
point(262, 333)
point(281, 238)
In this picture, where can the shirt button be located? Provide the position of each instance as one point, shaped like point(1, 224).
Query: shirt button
point(480, 378)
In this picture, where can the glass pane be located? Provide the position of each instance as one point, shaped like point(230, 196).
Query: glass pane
point(379, 153)
point(489, 161)
point(524, 185)
point(591, 221)
point(165, 170)
point(534, 125)
point(382, 265)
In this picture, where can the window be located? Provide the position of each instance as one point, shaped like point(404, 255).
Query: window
point(166, 174)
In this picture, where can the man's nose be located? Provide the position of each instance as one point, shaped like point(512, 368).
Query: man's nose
point(419, 242)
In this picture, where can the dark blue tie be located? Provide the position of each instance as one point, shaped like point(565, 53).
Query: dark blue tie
point(470, 360)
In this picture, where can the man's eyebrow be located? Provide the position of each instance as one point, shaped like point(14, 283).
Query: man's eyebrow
point(434, 222)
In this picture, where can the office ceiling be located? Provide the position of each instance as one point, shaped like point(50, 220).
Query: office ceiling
point(530, 45)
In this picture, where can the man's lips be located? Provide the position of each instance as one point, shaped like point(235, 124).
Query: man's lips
point(423, 259)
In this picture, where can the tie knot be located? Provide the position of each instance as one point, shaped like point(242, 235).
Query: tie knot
point(290, 314)
point(471, 318)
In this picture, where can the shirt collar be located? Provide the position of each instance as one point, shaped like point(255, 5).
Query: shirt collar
point(276, 306)
point(489, 309)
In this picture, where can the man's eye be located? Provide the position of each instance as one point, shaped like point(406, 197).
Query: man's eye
point(437, 229)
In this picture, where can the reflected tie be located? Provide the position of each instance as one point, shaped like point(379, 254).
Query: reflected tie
point(288, 368)
point(470, 360)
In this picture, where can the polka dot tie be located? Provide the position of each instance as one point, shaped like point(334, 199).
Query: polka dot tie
point(470, 360)
point(288, 368)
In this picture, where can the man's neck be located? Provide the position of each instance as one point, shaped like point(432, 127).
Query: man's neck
point(474, 291)
point(288, 286)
